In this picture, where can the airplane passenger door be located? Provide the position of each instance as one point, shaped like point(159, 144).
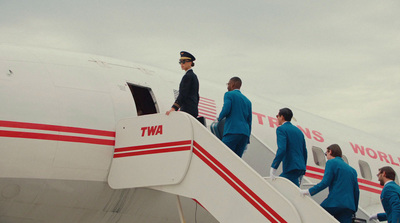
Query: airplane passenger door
point(144, 100)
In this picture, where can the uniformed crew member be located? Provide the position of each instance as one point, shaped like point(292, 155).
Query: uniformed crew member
point(188, 98)
point(292, 151)
point(390, 196)
point(344, 194)
point(238, 114)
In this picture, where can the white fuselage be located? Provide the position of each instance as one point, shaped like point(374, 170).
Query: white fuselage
point(57, 133)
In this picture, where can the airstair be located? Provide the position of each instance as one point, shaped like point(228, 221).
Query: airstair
point(178, 155)
point(260, 156)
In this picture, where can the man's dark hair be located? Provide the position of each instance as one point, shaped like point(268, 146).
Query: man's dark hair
point(390, 174)
point(286, 113)
point(237, 82)
point(335, 150)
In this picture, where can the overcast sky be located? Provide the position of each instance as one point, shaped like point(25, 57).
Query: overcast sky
point(337, 59)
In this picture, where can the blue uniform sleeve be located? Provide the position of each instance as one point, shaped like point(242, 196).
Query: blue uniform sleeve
point(305, 152)
point(250, 119)
point(326, 180)
point(394, 202)
point(281, 138)
point(356, 193)
point(226, 109)
point(382, 217)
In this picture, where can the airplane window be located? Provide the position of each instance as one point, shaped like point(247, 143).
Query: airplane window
point(365, 170)
point(345, 159)
point(319, 156)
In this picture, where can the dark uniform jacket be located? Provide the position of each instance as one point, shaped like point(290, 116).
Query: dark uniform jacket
point(188, 98)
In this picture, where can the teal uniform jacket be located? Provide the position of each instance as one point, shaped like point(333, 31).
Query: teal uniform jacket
point(390, 198)
point(292, 150)
point(343, 185)
point(237, 110)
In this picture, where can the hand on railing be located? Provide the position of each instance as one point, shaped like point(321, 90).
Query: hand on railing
point(373, 217)
point(304, 192)
point(272, 173)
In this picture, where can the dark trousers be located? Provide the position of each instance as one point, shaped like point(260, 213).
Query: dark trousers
point(343, 215)
point(295, 176)
point(236, 142)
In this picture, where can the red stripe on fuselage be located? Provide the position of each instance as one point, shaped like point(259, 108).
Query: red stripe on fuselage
point(57, 128)
point(53, 137)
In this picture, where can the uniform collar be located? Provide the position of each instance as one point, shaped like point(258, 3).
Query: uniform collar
point(388, 182)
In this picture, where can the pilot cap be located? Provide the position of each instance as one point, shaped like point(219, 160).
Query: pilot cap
point(187, 56)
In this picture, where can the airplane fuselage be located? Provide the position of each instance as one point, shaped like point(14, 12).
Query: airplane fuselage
point(57, 134)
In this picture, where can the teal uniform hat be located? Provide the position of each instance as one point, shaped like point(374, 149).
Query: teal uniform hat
point(187, 56)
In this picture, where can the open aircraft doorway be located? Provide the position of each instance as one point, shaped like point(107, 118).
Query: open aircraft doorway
point(144, 100)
